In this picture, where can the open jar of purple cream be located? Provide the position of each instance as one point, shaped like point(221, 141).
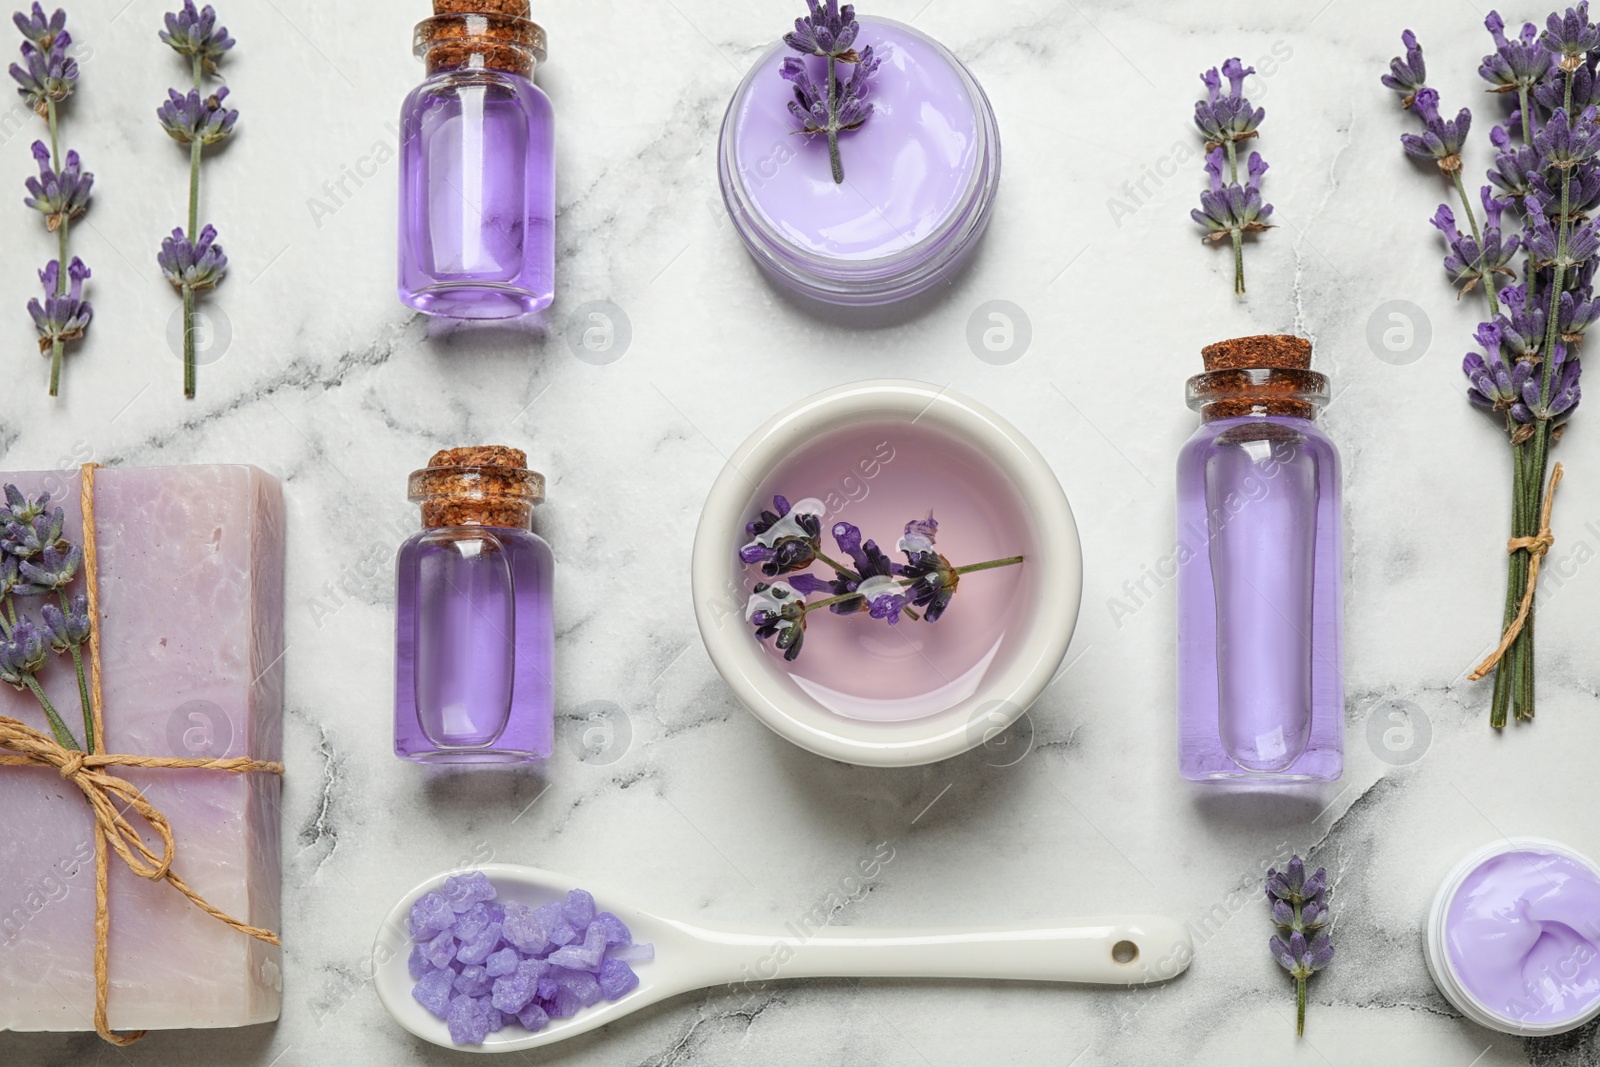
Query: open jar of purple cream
point(887, 205)
point(1513, 939)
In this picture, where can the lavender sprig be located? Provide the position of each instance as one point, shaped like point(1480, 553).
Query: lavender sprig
point(836, 106)
point(1303, 945)
point(47, 77)
point(787, 540)
point(1230, 209)
point(38, 562)
point(1527, 375)
point(191, 259)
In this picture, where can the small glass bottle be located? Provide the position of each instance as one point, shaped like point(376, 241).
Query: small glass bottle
point(1260, 560)
point(477, 167)
point(475, 640)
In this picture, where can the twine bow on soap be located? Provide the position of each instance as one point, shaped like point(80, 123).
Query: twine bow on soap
point(1537, 547)
point(113, 799)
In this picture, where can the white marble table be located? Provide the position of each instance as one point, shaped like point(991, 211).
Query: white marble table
point(328, 382)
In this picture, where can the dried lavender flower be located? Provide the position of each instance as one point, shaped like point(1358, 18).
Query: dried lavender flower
point(190, 258)
point(1230, 209)
point(1409, 73)
point(1571, 36)
point(193, 267)
point(1300, 911)
point(1517, 64)
point(64, 315)
point(1440, 139)
point(62, 189)
point(196, 35)
point(834, 106)
point(59, 197)
point(194, 118)
point(1470, 261)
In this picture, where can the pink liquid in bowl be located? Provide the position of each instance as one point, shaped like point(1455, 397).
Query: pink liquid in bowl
point(879, 476)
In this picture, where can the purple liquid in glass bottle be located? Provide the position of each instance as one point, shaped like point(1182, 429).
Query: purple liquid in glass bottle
point(477, 167)
point(1260, 559)
point(475, 639)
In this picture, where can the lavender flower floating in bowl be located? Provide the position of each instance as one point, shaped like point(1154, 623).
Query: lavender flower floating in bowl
point(900, 652)
point(1525, 375)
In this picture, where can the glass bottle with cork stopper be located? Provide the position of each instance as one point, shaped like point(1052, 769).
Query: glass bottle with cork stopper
point(1259, 563)
point(475, 639)
point(477, 166)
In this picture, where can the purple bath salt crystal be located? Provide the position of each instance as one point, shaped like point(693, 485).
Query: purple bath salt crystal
point(616, 930)
point(579, 909)
point(581, 984)
point(616, 978)
point(497, 912)
point(564, 933)
point(476, 949)
point(465, 890)
point(513, 994)
point(430, 916)
point(547, 988)
point(533, 1018)
point(469, 1023)
point(434, 990)
point(563, 1005)
point(417, 963)
point(632, 953)
point(499, 964)
point(473, 921)
point(523, 929)
point(548, 914)
point(473, 981)
point(496, 1018)
point(585, 956)
point(441, 950)
point(534, 969)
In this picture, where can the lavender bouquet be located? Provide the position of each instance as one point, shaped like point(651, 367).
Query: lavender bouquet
point(787, 540)
point(1526, 378)
point(192, 260)
point(45, 79)
point(827, 111)
point(1230, 209)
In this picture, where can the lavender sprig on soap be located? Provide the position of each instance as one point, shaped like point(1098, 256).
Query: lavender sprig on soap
point(37, 562)
point(1303, 945)
point(481, 966)
point(45, 80)
point(835, 106)
point(191, 260)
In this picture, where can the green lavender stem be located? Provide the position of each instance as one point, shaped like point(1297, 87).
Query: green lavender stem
point(971, 568)
point(1238, 234)
point(84, 702)
point(189, 366)
point(58, 346)
point(1300, 1007)
point(64, 736)
point(833, 122)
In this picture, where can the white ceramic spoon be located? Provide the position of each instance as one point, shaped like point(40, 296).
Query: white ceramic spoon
point(1127, 950)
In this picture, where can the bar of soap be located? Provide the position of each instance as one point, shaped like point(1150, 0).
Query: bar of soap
point(191, 621)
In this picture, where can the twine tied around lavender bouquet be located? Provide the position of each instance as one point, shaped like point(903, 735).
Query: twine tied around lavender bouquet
point(1537, 547)
point(103, 791)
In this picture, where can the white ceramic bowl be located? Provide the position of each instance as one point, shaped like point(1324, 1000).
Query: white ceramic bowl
point(1030, 655)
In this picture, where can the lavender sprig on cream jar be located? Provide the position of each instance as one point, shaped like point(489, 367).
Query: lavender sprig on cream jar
point(859, 159)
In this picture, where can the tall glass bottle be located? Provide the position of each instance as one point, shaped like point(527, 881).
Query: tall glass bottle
point(1261, 571)
point(475, 640)
point(477, 167)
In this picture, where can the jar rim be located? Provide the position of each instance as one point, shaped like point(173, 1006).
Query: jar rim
point(880, 279)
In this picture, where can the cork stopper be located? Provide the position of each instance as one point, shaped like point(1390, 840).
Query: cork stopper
point(1279, 351)
point(481, 35)
point(1269, 374)
point(485, 485)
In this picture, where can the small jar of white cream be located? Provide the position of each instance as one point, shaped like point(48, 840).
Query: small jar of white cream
point(1513, 939)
